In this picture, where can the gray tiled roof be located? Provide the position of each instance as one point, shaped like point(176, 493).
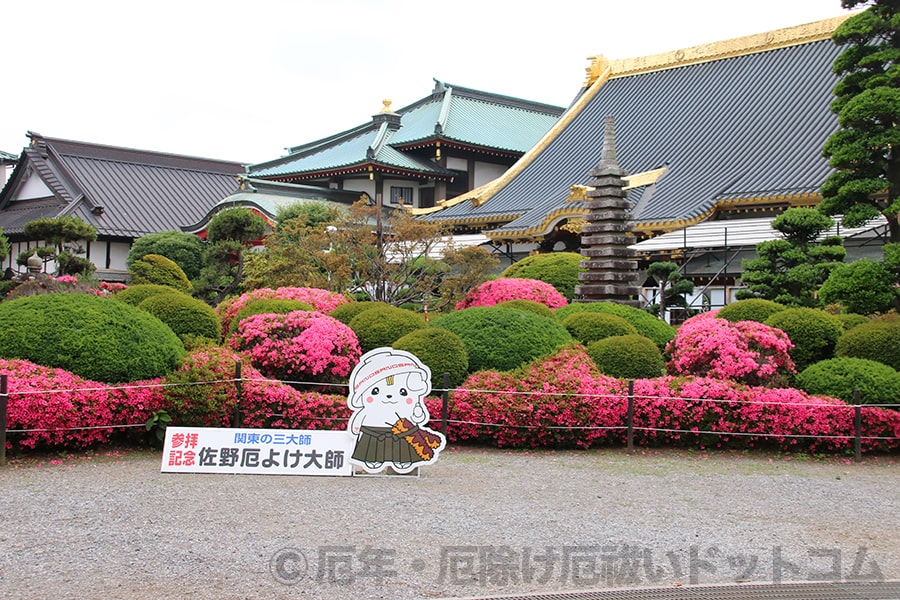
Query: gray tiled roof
point(140, 192)
point(746, 126)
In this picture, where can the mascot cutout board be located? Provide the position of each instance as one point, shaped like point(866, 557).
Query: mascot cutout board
point(387, 393)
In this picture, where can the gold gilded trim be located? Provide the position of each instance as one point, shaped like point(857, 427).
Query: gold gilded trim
point(483, 193)
point(538, 230)
point(655, 227)
point(750, 44)
point(578, 193)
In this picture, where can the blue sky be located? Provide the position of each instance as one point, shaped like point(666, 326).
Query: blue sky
point(244, 80)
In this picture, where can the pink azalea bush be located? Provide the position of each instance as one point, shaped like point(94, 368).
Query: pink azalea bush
point(550, 402)
point(523, 409)
point(746, 351)
point(203, 393)
point(510, 288)
point(321, 300)
point(301, 346)
point(51, 408)
point(559, 401)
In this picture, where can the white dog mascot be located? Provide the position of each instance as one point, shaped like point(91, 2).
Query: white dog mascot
point(387, 391)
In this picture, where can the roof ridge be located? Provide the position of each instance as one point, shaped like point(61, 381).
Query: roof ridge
point(60, 145)
point(739, 46)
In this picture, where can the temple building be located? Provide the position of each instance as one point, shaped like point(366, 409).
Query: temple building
point(714, 141)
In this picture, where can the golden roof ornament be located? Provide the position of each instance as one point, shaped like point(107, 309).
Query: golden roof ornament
point(387, 110)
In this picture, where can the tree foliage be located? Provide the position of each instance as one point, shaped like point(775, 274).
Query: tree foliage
point(64, 239)
point(185, 249)
point(867, 101)
point(228, 235)
point(673, 287)
point(790, 270)
point(864, 287)
point(310, 213)
point(345, 256)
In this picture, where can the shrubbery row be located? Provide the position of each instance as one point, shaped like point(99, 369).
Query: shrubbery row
point(561, 401)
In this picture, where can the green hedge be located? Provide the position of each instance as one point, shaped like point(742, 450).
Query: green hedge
point(381, 326)
point(442, 350)
point(750, 309)
point(559, 269)
point(187, 316)
point(135, 294)
point(850, 320)
point(627, 357)
point(503, 338)
point(345, 312)
point(646, 324)
point(186, 249)
point(877, 340)
point(813, 331)
point(840, 377)
point(96, 338)
point(156, 269)
point(587, 327)
point(529, 305)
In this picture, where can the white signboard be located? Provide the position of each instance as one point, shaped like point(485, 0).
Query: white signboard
point(257, 451)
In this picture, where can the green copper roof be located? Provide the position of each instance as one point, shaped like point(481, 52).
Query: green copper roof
point(473, 118)
point(477, 120)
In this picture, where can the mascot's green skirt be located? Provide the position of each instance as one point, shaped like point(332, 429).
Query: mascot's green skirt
point(381, 444)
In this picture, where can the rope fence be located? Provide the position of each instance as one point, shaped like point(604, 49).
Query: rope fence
point(629, 427)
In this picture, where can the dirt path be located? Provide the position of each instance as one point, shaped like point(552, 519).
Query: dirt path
point(479, 522)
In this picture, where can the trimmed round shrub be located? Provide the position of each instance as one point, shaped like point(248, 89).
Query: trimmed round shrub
point(93, 337)
point(587, 327)
point(500, 290)
point(135, 294)
point(813, 332)
point(529, 305)
point(559, 269)
point(750, 309)
point(840, 377)
point(850, 320)
point(345, 312)
point(646, 324)
point(269, 305)
point(186, 249)
point(441, 350)
point(864, 287)
point(186, 315)
point(630, 356)
point(877, 340)
point(301, 344)
point(156, 269)
point(381, 326)
point(503, 338)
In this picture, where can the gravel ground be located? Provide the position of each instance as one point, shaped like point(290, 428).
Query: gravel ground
point(479, 522)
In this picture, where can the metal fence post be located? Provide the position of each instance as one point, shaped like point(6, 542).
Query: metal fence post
point(238, 389)
point(857, 426)
point(630, 421)
point(4, 401)
point(445, 404)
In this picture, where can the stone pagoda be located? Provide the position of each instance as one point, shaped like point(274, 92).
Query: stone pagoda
point(612, 274)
